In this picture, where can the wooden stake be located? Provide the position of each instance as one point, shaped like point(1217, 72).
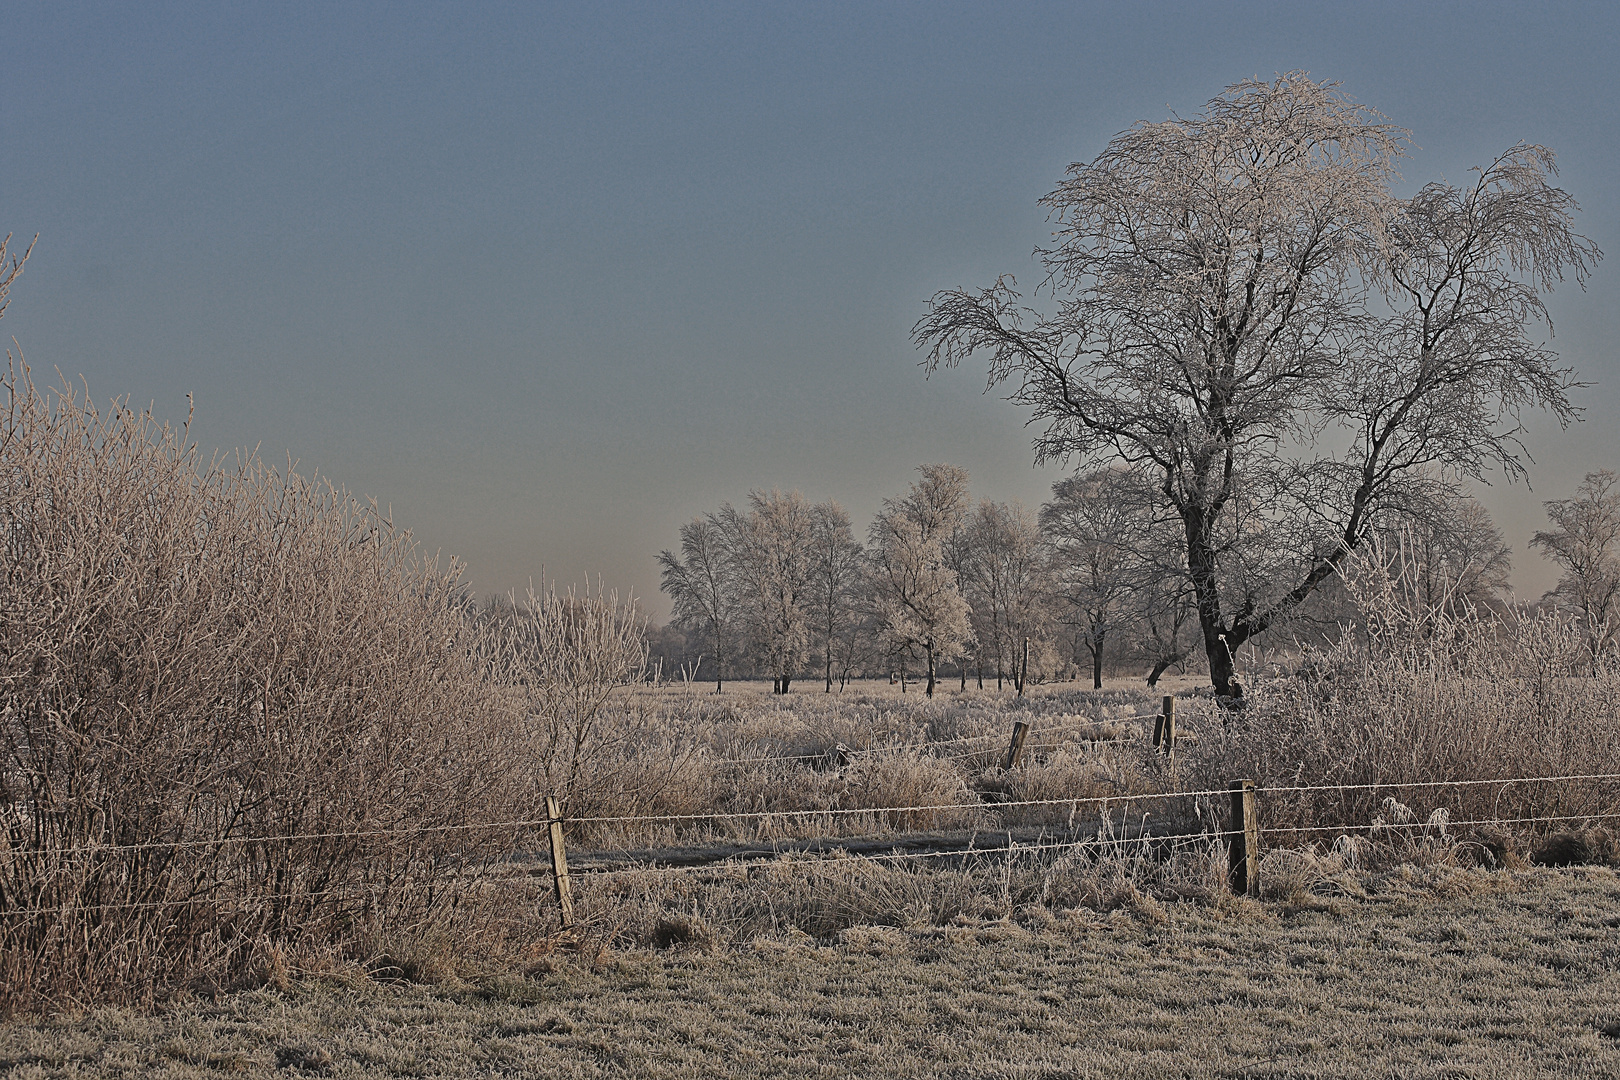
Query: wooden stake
point(1016, 750)
point(1023, 671)
point(1243, 842)
point(1169, 722)
point(559, 863)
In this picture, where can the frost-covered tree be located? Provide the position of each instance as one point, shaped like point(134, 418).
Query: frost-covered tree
point(1091, 522)
point(1459, 557)
point(835, 597)
point(1586, 543)
point(1004, 565)
point(1243, 310)
point(915, 591)
point(703, 589)
point(772, 555)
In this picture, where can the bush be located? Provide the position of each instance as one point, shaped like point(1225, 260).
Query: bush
point(242, 713)
point(1427, 697)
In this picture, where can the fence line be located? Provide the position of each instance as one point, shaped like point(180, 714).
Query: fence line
point(1438, 783)
point(1099, 841)
point(1448, 824)
point(1010, 804)
point(825, 754)
point(356, 892)
point(756, 815)
point(950, 853)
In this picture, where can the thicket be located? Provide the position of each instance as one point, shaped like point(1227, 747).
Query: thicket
point(1421, 692)
point(244, 719)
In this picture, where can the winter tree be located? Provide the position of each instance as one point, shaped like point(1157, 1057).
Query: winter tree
point(771, 549)
point(1090, 521)
point(1459, 558)
point(1586, 543)
point(1242, 309)
point(1004, 565)
point(835, 593)
point(915, 592)
point(703, 589)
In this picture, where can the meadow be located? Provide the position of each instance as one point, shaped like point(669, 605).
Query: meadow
point(273, 795)
point(1432, 972)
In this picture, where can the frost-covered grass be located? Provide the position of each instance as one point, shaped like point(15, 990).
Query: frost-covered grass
point(1437, 972)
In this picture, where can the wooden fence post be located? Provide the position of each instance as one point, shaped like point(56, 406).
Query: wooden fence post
point(1023, 671)
point(1169, 722)
point(559, 862)
point(1016, 750)
point(1243, 841)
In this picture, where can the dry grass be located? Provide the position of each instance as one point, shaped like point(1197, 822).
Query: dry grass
point(196, 655)
point(1431, 973)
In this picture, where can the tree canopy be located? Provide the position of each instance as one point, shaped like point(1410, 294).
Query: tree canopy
point(1240, 309)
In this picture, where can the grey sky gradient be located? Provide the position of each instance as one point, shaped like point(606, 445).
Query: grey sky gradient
point(550, 280)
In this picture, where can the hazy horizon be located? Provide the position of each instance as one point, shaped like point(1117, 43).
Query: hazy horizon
point(550, 281)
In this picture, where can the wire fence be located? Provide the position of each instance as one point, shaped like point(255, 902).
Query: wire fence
point(933, 744)
point(221, 894)
point(520, 824)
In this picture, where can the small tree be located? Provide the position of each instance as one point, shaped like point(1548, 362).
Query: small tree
point(915, 591)
point(702, 587)
point(1089, 521)
point(1005, 565)
point(772, 551)
point(834, 594)
point(1586, 543)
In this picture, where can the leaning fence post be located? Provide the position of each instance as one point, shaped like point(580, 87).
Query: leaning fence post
point(1243, 842)
point(559, 862)
point(1023, 672)
point(1016, 750)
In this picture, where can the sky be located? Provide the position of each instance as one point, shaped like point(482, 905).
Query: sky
point(547, 281)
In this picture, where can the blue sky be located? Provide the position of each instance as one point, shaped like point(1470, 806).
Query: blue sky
point(548, 280)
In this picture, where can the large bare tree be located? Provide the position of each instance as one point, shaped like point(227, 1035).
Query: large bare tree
point(1241, 308)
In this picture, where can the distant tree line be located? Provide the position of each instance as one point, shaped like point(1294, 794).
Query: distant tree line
point(944, 585)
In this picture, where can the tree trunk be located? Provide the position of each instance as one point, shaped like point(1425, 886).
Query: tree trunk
point(1201, 568)
point(786, 679)
point(981, 673)
point(930, 650)
point(829, 673)
point(1096, 663)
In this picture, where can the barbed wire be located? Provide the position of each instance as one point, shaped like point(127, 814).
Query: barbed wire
point(1100, 841)
point(1435, 783)
point(730, 863)
point(756, 815)
point(1431, 824)
point(898, 747)
point(186, 901)
point(844, 811)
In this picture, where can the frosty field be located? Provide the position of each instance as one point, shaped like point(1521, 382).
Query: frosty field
point(1435, 973)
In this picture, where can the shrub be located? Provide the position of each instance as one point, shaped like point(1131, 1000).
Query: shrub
point(241, 712)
